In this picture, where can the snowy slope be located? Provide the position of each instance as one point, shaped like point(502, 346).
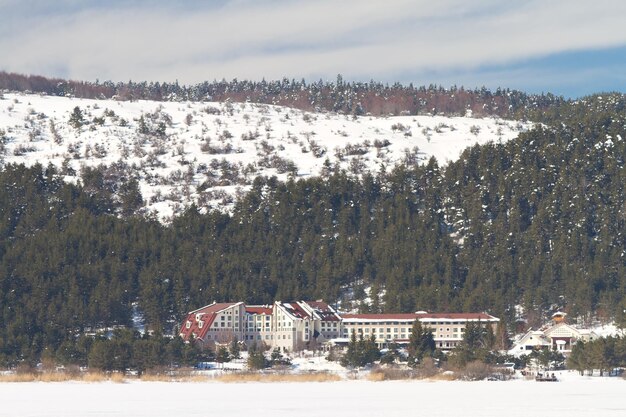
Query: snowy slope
point(209, 153)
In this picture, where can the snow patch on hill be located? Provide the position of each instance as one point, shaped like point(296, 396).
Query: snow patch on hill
point(209, 153)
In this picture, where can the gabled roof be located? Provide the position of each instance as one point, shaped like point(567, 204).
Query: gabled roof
point(294, 310)
point(206, 315)
point(537, 336)
point(322, 310)
point(214, 307)
point(562, 330)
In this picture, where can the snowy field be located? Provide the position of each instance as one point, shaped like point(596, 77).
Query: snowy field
point(572, 397)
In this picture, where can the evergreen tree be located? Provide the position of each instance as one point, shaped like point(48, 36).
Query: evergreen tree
point(235, 349)
point(421, 343)
point(256, 357)
point(76, 118)
point(222, 355)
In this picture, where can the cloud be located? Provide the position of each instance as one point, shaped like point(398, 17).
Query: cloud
point(252, 39)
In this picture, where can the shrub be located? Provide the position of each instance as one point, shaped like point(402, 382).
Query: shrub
point(390, 373)
point(476, 371)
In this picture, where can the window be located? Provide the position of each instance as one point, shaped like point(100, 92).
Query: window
point(200, 323)
point(188, 324)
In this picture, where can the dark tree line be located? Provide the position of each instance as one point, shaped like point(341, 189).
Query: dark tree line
point(603, 354)
point(356, 98)
point(360, 351)
point(126, 349)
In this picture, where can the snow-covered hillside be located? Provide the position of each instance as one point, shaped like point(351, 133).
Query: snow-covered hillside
point(209, 153)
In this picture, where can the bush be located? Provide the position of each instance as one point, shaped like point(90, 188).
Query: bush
point(256, 360)
point(476, 371)
point(390, 373)
point(427, 368)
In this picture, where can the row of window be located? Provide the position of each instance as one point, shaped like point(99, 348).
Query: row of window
point(380, 330)
point(409, 329)
point(366, 330)
point(258, 337)
point(258, 318)
point(408, 322)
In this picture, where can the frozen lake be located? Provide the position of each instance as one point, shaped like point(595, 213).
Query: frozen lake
point(572, 397)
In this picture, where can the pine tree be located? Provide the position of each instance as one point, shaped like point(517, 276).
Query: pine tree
point(256, 357)
point(76, 118)
point(234, 349)
point(421, 343)
point(222, 356)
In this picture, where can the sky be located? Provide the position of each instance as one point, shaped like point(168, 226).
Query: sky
point(566, 47)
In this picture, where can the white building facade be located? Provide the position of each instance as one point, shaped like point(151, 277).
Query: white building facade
point(447, 328)
point(310, 324)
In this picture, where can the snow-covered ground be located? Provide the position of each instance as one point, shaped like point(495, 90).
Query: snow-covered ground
point(210, 152)
point(574, 396)
point(606, 330)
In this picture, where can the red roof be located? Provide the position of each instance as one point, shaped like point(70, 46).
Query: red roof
point(396, 316)
point(457, 316)
point(421, 316)
point(205, 314)
point(267, 310)
point(323, 310)
point(213, 308)
point(295, 310)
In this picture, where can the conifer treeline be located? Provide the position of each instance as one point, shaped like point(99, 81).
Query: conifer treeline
point(538, 221)
point(338, 96)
